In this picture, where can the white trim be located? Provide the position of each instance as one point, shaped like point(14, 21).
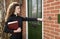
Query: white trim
point(26, 21)
point(42, 21)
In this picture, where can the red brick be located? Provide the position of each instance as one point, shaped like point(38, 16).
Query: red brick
point(50, 1)
point(45, 2)
point(50, 28)
point(46, 24)
point(56, 14)
point(46, 5)
point(55, 25)
point(45, 9)
point(46, 12)
point(55, 3)
point(51, 35)
point(50, 22)
point(54, 18)
point(50, 14)
point(57, 7)
point(50, 8)
point(46, 37)
point(46, 30)
point(54, 33)
point(48, 34)
point(57, 37)
point(57, 29)
point(55, 11)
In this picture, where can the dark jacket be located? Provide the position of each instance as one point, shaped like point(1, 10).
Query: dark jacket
point(20, 22)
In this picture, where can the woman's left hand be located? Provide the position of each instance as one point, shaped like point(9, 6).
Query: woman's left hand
point(18, 30)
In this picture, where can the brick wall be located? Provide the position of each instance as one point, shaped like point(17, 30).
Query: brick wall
point(51, 26)
point(23, 13)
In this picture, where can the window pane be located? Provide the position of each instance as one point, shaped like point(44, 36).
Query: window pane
point(40, 8)
point(34, 8)
point(30, 8)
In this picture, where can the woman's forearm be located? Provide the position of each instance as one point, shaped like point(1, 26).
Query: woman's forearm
point(32, 19)
point(29, 19)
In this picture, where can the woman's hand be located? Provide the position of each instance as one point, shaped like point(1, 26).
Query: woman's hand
point(39, 19)
point(18, 30)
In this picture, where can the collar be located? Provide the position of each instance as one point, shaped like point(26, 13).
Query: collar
point(15, 15)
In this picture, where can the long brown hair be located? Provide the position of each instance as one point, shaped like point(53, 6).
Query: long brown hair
point(11, 10)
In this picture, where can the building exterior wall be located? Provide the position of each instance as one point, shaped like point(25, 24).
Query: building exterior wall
point(51, 26)
point(23, 13)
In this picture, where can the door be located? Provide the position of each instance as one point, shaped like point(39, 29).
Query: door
point(35, 27)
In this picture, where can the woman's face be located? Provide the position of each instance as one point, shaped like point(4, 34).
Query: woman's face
point(17, 9)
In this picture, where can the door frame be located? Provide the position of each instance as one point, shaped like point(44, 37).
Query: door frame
point(27, 21)
point(42, 19)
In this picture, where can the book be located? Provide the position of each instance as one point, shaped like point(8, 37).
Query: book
point(13, 25)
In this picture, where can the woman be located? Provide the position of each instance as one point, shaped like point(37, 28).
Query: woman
point(13, 14)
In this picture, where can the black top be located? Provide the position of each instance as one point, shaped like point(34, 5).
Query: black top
point(20, 22)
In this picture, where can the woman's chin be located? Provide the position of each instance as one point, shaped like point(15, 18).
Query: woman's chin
point(18, 14)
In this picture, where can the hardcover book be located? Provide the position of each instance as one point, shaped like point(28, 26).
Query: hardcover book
point(13, 25)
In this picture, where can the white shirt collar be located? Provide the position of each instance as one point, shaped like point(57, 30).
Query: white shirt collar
point(15, 13)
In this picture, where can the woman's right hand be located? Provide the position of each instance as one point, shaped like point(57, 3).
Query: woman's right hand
point(18, 30)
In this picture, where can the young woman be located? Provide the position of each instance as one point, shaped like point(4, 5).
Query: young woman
point(13, 14)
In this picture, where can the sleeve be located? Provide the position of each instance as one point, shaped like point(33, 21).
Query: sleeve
point(6, 28)
point(29, 19)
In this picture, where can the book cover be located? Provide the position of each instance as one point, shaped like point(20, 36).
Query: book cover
point(13, 25)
